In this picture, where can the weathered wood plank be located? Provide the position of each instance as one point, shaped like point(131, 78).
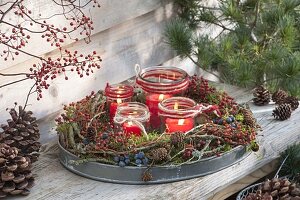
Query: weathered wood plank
point(246, 181)
point(111, 13)
point(55, 182)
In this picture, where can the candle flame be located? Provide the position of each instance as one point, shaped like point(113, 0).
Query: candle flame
point(119, 101)
point(180, 122)
point(161, 97)
point(174, 76)
point(130, 123)
point(176, 106)
point(159, 78)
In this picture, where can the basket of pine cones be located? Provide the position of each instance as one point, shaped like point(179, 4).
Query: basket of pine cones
point(274, 189)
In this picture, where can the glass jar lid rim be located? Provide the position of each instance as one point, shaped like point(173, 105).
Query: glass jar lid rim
point(165, 68)
point(118, 90)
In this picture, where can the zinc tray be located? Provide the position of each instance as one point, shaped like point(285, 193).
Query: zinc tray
point(161, 174)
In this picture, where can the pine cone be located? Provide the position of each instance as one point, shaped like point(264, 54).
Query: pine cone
point(159, 154)
point(293, 101)
point(276, 189)
point(177, 139)
point(165, 145)
point(15, 170)
point(279, 96)
point(147, 176)
point(21, 132)
point(261, 96)
point(249, 119)
point(282, 112)
point(91, 134)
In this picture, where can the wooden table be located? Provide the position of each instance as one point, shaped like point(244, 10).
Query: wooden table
point(53, 181)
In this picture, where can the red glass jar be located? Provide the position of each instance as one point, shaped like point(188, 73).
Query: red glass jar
point(161, 83)
point(177, 114)
point(132, 118)
point(115, 95)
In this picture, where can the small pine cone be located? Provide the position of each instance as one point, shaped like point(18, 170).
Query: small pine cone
point(147, 176)
point(293, 101)
point(261, 96)
point(166, 146)
point(282, 112)
point(177, 139)
point(249, 119)
point(91, 133)
point(279, 96)
point(159, 154)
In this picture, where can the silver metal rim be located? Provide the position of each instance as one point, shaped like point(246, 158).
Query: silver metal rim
point(161, 174)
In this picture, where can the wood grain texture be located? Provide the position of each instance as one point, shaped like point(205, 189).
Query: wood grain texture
point(55, 182)
point(111, 13)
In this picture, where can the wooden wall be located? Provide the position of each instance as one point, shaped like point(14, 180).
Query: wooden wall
point(126, 32)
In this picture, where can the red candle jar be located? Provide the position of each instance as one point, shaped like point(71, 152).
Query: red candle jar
point(132, 118)
point(161, 83)
point(177, 114)
point(115, 95)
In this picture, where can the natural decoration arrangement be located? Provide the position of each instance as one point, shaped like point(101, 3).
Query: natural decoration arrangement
point(249, 43)
point(284, 188)
point(85, 129)
point(19, 144)
point(285, 104)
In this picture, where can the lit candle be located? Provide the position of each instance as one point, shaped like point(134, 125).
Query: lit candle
point(113, 108)
point(183, 125)
point(131, 129)
point(152, 101)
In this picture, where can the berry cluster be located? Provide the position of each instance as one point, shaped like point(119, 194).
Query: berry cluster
point(226, 120)
point(238, 135)
point(201, 91)
point(188, 151)
point(50, 69)
point(122, 160)
point(83, 113)
point(18, 35)
point(141, 159)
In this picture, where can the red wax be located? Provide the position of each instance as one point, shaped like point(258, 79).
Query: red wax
point(183, 125)
point(152, 101)
point(112, 110)
point(131, 129)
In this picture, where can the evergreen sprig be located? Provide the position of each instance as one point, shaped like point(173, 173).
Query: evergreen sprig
point(257, 41)
point(292, 163)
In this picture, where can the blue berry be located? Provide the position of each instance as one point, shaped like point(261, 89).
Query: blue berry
point(215, 121)
point(232, 118)
point(136, 156)
point(141, 155)
point(138, 161)
point(122, 164)
point(126, 156)
point(233, 125)
point(229, 120)
point(86, 141)
point(116, 159)
point(122, 158)
point(104, 136)
point(220, 121)
point(127, 161)
point(145, 161)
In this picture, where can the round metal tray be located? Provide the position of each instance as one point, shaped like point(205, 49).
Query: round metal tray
point(161, 174)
